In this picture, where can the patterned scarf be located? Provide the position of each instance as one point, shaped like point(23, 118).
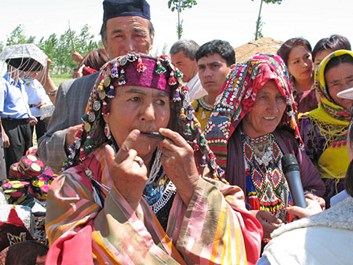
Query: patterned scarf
point(332, 120)
point(238, 96)
point(327, 104)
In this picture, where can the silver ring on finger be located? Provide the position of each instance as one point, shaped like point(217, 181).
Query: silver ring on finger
point(139, 161)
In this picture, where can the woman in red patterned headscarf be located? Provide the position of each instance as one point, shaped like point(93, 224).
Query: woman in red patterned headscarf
point(252, 127)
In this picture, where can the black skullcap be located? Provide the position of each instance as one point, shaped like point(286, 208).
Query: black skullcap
point(123, 8)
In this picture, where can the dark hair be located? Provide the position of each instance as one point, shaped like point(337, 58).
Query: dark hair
point(95, 59)
point(25, 253)
point(188, 47)
point(221, 47)
point(288, 45)
point(103, 31)
point(345, 58)
point(334, 42)
point(348, 181)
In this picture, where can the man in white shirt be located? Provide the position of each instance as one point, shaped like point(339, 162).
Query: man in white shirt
point(37, 98)
point(182, 54)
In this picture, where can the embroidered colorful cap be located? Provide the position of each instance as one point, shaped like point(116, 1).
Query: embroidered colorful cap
point(123, 8)
point(30, 166)
point(15, 191)
point(40, 185)
point(12, 228)
point(346, 94)
point(14, 174)
point(145, 72)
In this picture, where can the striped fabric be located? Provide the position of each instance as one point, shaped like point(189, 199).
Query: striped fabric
point(213, 229)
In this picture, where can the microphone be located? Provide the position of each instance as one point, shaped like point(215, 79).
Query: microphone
point(291, 171)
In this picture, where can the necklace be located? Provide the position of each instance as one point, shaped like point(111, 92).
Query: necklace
point(159, 189)
point(261, 147)
point(266, 187)
point(205, 107)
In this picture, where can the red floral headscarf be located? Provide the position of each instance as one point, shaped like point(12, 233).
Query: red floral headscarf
point(238, 96)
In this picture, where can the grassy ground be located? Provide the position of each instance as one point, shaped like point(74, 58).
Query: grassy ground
point(57, 79)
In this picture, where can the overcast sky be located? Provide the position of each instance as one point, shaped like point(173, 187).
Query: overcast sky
point(231, 20)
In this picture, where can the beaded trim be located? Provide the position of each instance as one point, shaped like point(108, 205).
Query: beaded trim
point(113, 75)
point(259, 139)
point(204, 104)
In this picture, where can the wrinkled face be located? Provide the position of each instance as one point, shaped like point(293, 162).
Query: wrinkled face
point(267, 111)
point(300, 64)
point(213, 71)
point(320, 56)
point(127, 34)
point(337, 79)
point(142, 108)
point(187, 66)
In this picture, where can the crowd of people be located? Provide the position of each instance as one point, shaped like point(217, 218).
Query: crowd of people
point(178, 158)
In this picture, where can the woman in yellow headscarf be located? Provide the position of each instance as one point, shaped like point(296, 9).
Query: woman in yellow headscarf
point(324, 130)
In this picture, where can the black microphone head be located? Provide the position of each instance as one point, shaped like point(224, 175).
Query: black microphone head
point(289, 163)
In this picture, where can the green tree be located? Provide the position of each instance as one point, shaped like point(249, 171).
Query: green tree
point(49, 46)
point(179, 6)
point(85, 42)
point(58, 48)
point(259, 23)
point(18, 36)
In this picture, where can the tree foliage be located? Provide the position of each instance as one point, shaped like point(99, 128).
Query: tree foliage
point(179, 6)
point(259, 22)
point(17, 36)
point(58, 48)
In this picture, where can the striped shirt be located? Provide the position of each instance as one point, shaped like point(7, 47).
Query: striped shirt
point(213, 229)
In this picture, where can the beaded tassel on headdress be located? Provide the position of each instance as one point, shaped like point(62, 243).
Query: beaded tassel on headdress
point(172, 80)
point(122, 80)
point(140, 66)
point(160, 69)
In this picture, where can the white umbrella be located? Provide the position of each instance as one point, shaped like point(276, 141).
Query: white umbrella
point(24, 57)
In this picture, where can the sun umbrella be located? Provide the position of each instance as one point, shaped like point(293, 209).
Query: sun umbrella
point(24, 57)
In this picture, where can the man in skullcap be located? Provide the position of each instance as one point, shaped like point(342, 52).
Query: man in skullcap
point(126, 27)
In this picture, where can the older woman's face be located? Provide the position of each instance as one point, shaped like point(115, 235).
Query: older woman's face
point(267, 111)
point(338, 79)
point(142, 108)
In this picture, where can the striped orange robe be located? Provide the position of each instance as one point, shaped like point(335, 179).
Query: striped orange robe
point(207, 231)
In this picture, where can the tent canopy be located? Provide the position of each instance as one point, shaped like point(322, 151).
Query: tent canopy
point(264, 45)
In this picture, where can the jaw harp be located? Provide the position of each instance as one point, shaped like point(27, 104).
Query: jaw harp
point(155, 135)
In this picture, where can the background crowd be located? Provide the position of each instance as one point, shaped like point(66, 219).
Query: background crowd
point(177, 158)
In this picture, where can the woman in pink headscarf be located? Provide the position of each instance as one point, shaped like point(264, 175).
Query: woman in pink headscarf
point(142, 186)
